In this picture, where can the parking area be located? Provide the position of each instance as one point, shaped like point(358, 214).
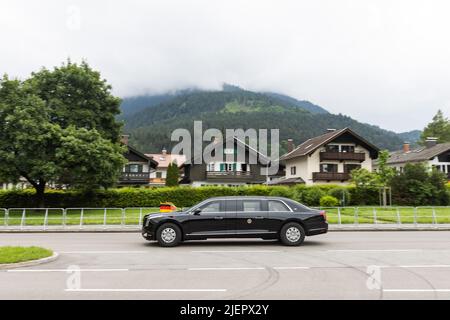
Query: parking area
point(338, 265)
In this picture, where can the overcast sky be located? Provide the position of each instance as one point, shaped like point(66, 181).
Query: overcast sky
point(382, 62)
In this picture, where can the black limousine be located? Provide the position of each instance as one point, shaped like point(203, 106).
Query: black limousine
point(237, 217)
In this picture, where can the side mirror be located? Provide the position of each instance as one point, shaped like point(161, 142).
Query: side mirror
point(196, 212)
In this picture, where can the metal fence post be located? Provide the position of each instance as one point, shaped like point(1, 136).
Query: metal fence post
point(22, 221)
point(415, 215)
point(140, 216)
point(434, 215)
point(104, 217)
point(399, 221)
point(339, 215)
point(64, 217)
point(46, 218)
point(81, 217)
point(374, 215)
point(122, 223)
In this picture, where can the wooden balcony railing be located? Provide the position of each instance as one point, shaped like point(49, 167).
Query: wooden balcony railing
point(356, 156)
point(331, 176)
point(134, 177)
point(218, 175)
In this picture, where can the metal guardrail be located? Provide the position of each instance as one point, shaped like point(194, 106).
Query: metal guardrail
point(133, 216)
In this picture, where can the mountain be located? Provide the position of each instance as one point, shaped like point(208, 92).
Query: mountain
point(151, 127)
point(135, 104)
point(412, 137)
point(299, 103)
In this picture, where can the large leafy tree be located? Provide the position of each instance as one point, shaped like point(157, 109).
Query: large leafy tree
point(439, 128)
point(77, 95)
point(41, 139)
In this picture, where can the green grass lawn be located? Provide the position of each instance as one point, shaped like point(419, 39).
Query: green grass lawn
point(389, 215)
point(133, 216)
point(21, 254)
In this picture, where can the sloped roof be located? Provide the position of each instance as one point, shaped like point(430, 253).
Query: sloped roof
point(165, 159)
point(312, 144)
point(261, 158)
point(418, 154)
point(144, 157)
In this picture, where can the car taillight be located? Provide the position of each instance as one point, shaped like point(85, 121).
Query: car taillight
point(323, 213)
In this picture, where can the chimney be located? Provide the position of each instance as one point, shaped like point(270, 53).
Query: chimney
point(431, 142)
point(124, 139)
point(405, 147)
point(290, 145)
point(331, 130)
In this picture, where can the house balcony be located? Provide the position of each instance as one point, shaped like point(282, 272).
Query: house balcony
point(354, 156)
point(134, 178)
point(331, 176)
point(229, 175)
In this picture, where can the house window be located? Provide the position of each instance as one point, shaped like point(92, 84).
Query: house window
point(347, 149)
point(159, 174)
point(328, 167)
point(211, 167)
point(350, 167)
point(293, 171)
point(332, 148)
point(134, 168)
point(244, 167)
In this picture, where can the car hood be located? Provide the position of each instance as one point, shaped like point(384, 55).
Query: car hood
point(165, 214)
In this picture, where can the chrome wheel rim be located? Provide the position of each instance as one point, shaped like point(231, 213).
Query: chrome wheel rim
point(168, 235)
point(293, 234)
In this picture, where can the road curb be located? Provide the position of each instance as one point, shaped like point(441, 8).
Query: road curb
point(31, 263)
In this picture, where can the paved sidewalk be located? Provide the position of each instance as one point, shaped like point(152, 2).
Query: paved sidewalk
point(134, 228)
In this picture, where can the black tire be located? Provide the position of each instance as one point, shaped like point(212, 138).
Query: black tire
point(292, 234)
point(172, 237)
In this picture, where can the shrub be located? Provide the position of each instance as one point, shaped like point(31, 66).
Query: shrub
point(311, 196)
point(342, 194)
point(329, 201)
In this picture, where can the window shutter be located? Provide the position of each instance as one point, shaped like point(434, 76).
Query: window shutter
point(222, 167)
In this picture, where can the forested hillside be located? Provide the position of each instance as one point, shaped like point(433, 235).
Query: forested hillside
point(150, 128)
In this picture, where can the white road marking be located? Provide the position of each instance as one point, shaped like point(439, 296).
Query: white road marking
point(100, 252)
point(420, 266)
point(374, 250)
point(416, 290)
point(290, 268)
point(226, 269)
point(66, 270)
point(234, 251)
point(145, 290)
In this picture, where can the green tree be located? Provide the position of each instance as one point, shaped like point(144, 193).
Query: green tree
point(77, 95)
point(172, 175)
point(384, 174)
point(439, 128)
point(417, 186)
point(42, 145)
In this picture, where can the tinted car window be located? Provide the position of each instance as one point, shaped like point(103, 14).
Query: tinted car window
point(277, 206)
point(213, 206)
point(251, 205)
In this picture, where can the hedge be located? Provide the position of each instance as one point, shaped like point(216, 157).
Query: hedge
point(180, 196)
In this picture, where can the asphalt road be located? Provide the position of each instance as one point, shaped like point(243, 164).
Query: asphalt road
point(338, 265)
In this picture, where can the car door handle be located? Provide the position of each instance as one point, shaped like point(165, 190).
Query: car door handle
point(218, 218)
point(259, 217)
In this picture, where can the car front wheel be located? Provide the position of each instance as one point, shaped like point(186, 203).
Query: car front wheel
point(292, 234)
point(168, 235)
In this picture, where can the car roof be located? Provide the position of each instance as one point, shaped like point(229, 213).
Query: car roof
point(248, 197)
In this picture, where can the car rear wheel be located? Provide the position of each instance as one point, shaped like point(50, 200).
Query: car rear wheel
point(168, 235)
point(292, 234)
